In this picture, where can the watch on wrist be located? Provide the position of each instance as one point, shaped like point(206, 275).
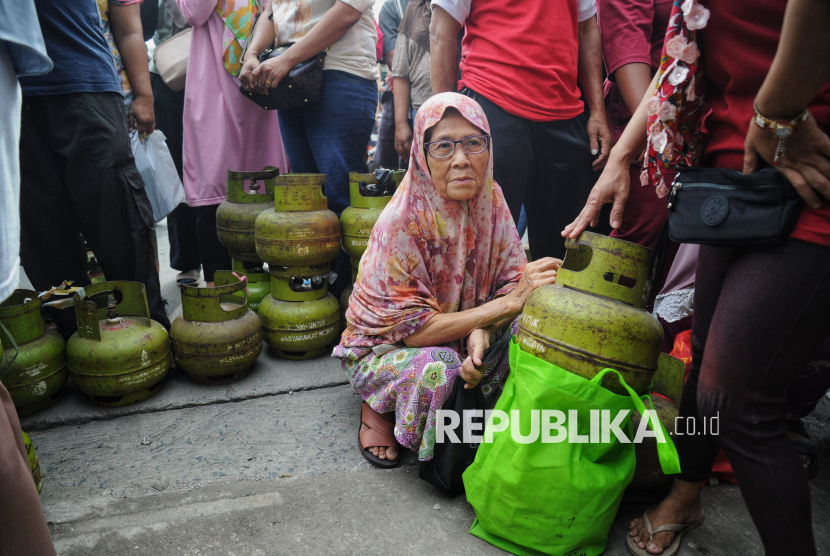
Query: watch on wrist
point(779, 129)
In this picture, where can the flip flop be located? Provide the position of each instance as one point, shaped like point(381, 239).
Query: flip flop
point(670, 550)
point(188, 278)
point(381, 432)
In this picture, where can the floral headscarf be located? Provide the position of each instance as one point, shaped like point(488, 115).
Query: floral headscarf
point(239, 16)
point(429, 255)
point(675, 112)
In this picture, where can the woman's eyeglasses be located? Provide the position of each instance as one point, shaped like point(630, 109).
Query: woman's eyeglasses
point(472, 144)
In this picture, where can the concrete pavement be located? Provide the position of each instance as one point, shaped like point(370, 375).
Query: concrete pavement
point(270, 465)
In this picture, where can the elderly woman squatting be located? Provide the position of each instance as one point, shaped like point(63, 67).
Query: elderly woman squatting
point(444, 267)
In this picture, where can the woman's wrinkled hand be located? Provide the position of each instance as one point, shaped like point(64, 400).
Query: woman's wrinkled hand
point(477, 342)
point(536, 274)
point(246, 73)
point(611, 187)
point(806, 160)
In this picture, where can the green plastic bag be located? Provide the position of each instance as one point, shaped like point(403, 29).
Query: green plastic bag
point(554, 498)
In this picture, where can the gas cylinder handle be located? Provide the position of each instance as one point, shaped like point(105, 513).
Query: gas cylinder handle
point(87, 313)
point(236, 184)
point(205, 304)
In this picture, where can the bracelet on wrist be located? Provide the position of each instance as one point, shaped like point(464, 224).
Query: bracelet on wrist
point(779, 129)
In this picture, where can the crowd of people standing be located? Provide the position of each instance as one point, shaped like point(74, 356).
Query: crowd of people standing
point(546, 90)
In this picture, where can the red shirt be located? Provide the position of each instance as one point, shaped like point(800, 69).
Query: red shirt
point(738, 47)
point(523, 55)
point(632, 32)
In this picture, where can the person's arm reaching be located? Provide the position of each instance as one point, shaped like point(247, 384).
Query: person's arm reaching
point(443, 328)
point(590, 78)
point(332, 26)
point(799, 71)
point(612, 186)
point(443, 51)
point(633, 80)
point(125, 26)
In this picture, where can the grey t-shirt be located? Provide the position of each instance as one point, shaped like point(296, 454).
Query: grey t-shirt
point(389, 19)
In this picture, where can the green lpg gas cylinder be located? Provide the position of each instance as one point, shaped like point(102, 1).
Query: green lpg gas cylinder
point(235, 218)
point(217, 338)
point(299, 231)
point(300, 319)
point(366, 204)
point(259, 282)
point(594, 317)
point(38, 372)
point(34, 466)
point(119, 354)
point(650, 484)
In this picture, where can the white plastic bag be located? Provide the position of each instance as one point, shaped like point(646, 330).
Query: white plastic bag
point(161, 180)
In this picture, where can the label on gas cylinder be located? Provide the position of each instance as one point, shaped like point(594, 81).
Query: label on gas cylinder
point(34, 370)
point(242, 344)
point(234, 357)
point(308, 335)
point(532, 344)
point(532, 322)
point(141, 376)
point(308, 325)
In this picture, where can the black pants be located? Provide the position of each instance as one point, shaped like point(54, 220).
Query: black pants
point(544, 165)
point(77, 176)
point(181, 223)
point(385, 154)
point(760, 317)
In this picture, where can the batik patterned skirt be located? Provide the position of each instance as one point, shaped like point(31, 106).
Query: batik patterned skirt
point(415, 383)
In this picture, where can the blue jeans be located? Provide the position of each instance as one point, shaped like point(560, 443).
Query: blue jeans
point(330, 137)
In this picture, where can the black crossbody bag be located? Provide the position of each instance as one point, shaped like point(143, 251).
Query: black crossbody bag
point(726, 208)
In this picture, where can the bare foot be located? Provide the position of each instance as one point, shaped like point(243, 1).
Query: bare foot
point(682, 505)
point(382, 452)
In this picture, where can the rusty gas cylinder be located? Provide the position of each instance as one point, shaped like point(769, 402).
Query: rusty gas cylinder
point(300, 231)
point(650, 484)
point(217, 338)
point(594, 317)
point(119, 355)
point(37, 370)
point(300, 319)
point(236, 217)
point(365, 208)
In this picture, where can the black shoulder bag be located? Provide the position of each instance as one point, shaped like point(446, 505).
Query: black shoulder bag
point(303, 85)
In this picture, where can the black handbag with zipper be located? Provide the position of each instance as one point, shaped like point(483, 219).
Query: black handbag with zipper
point(303, 85)
point(726, 208)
